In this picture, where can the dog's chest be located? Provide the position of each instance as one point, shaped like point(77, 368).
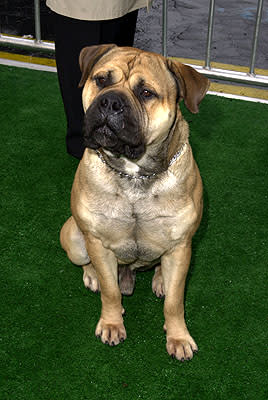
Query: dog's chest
point(140, 224)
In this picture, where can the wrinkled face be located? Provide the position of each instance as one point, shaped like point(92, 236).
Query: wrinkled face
point(129, 100)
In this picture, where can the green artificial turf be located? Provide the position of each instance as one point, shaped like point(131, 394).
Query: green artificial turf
point(47, 345)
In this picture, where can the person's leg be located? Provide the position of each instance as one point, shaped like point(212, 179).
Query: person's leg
point(120, 31)
point(71, 36)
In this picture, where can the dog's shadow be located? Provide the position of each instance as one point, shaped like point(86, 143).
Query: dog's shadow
point(201, 134)
point(199, 236)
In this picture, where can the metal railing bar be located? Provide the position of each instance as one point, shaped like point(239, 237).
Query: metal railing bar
point(164, 27)
point(232, 76)
point(210, 32)
point(37, 21)
point(256, 36)
point(22, 43)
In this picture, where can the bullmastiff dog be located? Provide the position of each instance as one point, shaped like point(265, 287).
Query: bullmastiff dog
point(136, 199)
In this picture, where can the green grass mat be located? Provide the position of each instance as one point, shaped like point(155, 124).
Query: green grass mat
point(48, 350)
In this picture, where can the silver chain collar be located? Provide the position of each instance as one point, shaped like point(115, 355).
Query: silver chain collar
point(123, 174)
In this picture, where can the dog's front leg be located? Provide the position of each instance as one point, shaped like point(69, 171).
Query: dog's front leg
point(110, 327)
point(174, 268)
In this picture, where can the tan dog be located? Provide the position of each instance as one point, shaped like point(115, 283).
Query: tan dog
point(137, 194)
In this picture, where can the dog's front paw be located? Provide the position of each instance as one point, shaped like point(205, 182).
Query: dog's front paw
point(90, 278)
point(110, 333)
point(181, 348)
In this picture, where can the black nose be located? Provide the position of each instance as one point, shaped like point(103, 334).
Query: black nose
point(111, 103)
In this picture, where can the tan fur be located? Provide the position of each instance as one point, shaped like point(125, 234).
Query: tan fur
point(133, 222)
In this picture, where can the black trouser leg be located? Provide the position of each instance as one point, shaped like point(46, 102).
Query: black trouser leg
point(71, 36)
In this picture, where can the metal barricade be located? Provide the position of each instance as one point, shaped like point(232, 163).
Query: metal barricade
point(26, 43)
point(250, 77)
point(218, 73)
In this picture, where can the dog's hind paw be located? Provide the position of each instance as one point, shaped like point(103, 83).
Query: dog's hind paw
point(90, 278)
point(157, 283)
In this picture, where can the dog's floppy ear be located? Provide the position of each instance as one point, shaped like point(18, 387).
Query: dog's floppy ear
point(193, 86)
point(88, 58)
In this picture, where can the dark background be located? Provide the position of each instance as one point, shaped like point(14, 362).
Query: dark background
point(17, 18)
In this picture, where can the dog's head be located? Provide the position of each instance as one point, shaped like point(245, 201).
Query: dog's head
point(131, 97)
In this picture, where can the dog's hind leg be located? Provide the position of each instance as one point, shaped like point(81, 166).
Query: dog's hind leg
point(157, 282)
point(72, 241)
point(90, 278)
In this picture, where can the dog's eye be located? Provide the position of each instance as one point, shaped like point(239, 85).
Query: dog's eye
point(100, 81)
point(146, 94)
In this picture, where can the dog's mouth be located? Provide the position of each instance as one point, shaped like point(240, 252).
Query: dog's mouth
point(105, 137)
point(117, 130)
